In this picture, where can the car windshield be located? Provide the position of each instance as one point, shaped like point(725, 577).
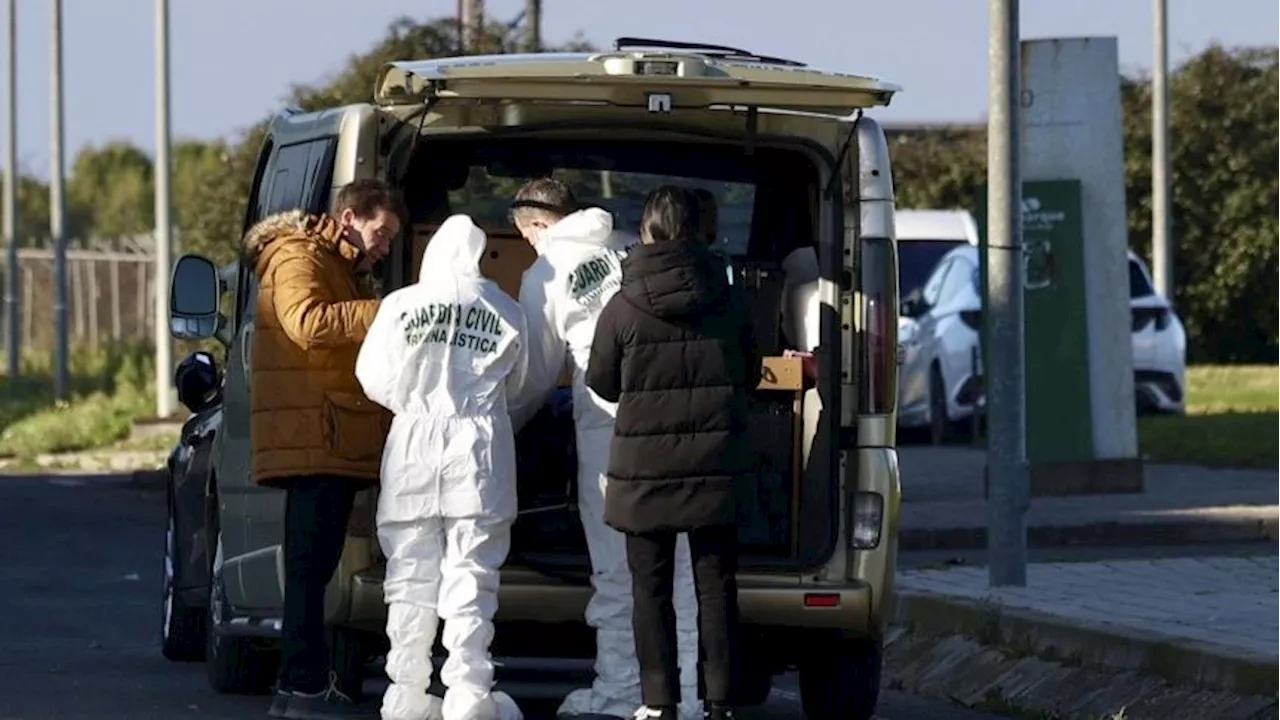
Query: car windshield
point(916, 261)
point(1139, 286)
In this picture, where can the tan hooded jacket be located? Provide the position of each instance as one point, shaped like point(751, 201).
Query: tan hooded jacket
point(309, 415)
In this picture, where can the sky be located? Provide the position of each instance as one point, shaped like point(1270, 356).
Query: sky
point(233, 61)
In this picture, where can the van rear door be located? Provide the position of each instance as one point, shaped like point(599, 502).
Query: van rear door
point(653, 80)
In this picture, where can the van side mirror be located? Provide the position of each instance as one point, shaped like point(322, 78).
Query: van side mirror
point(195, 292)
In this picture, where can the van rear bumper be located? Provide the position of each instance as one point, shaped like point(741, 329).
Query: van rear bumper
point(528, 596)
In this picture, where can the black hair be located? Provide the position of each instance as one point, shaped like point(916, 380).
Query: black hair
point(670, 214)
point(545, 196)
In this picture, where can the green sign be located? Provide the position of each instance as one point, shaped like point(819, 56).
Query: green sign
point(1059, 409)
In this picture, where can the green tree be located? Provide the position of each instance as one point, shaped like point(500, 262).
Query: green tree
point(110, 192)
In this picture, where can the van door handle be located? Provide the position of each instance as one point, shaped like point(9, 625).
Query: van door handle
point(246, 336)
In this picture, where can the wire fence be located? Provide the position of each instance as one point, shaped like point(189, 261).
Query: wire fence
point(110, 294)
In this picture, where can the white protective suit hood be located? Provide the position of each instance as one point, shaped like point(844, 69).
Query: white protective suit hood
point(442, 354)
point(454, 251)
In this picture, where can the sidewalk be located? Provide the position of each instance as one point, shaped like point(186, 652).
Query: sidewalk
point(943, 506)
point(1204, 624)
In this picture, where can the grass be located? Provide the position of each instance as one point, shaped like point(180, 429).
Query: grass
point(1231, 420)
point(108, 388)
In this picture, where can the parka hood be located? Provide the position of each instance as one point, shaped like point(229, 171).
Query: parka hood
point(674, 279)
point(298, 226)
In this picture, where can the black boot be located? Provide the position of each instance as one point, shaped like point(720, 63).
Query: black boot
point(718, 711)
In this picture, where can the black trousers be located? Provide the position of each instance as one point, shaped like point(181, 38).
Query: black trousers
point(651, 557)
point(315, 523)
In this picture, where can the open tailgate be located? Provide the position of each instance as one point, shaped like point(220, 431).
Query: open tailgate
point(652, 80)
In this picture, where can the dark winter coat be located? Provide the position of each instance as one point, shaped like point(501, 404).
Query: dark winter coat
point(674, 348)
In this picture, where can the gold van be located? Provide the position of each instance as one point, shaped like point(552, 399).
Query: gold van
point(784, 149)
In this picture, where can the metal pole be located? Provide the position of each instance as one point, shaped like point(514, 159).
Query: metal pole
point(1006, 444)
point(10, 201)
point(1161, 244)
point(56, 210)
point(533, 26)
point(164, 227)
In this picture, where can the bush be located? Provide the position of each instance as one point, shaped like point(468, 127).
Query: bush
point(108, 388)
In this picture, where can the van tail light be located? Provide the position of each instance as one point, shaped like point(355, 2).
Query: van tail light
point(972, 318)
point(878, 385)
point(868, 516)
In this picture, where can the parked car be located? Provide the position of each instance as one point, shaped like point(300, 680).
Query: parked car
point(187, 558)
point(940, 380)
point(924, 236)
point(457, 135)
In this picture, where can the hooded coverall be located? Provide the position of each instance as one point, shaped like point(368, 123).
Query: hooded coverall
point(577, 270)
point(442, 355)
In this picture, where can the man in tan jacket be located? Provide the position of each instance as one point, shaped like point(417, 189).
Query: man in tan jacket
point(314, 433)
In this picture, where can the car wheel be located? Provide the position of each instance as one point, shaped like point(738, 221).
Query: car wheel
point(347, 659)
point(235, 665)
point(939, 423)
point(183, 628)
point(841, 680)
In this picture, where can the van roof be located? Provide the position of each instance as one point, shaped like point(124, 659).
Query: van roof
point(689, 78)
point(935, 225)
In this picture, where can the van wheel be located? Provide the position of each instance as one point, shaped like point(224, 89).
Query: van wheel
point(182, 628)
point(841, 680)
point(234, 665)
point(939, 423)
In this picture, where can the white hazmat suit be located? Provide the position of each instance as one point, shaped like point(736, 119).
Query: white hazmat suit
point(442, 356)
point(578, 269)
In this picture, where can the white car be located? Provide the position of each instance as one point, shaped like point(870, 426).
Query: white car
point(924, 236)
point(940, 379)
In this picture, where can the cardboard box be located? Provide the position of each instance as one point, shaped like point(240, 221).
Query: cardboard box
point(506, 257)
point(782, 373)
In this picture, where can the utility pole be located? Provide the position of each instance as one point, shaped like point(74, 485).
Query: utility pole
point(164, 226)
point(57, 212)
point(11, 289)
point(1161, 243)
point(533, 26)
point(1006, 398)
point(471, 23)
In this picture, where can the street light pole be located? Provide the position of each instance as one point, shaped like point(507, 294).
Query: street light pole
point(164, 226)
point(57, 211)
point(10, 200)
point(1161, 243)
point(1006, 405)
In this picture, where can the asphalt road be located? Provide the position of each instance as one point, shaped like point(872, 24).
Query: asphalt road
point(79, 611)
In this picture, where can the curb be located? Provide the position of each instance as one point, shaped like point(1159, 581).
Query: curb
point(1238, 528)
point(1180, 661)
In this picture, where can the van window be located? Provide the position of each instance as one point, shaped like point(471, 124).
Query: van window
point(766, 202)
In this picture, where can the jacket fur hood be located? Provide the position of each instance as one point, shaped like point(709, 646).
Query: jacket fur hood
point(297, 225)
